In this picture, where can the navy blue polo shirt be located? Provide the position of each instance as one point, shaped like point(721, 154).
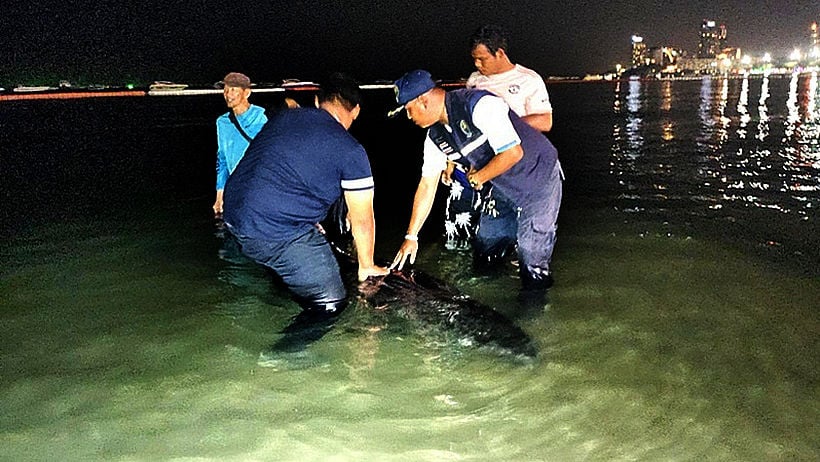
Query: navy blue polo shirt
point(293, 171)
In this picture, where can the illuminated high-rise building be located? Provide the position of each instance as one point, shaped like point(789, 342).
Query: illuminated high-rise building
point(712, 39)
point(814, 39)
point(638, 51)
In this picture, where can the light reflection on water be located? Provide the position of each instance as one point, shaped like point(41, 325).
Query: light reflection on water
point(764, 156)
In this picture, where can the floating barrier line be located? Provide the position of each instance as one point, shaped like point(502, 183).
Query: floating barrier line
point(51, 94)
point(69, 95)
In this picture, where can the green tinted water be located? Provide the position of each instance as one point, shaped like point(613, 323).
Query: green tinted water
point(133, 344)
point(683, 325)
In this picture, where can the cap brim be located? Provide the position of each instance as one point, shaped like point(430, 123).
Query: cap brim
point(221, 84)
point(395, 112)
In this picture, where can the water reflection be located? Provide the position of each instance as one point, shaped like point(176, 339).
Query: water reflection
point(625, 142)
point(763, 111)
point(634, 119)
point(742, 107)
point(667, 123)
point(710, 153)
point(722, 102)
point(712, 113)
point(802, 152)
point(626, 132)
point(793, 115)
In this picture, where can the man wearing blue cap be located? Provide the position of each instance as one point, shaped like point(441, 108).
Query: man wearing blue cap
point(514, 165)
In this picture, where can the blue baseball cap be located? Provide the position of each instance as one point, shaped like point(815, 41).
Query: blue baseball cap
point(410, 86)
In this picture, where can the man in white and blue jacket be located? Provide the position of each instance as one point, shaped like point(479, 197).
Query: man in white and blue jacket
point(473, 135)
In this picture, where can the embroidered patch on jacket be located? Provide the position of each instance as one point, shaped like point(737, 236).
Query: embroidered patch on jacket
point(465, 128)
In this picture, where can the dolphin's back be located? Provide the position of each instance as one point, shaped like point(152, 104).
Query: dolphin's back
point(419, 296)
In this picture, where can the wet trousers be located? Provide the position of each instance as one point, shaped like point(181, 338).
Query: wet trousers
point(307, 266)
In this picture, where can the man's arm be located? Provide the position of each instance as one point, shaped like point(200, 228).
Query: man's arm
point(499, 164)
point(541, 122)
point(221, 179)
point(218, 203)
point(491, 115)
point(422, 204)
point(363, 227)
point(221, 173)
point(537, 106)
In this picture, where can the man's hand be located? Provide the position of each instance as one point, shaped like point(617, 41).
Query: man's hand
point(407, 251)
point(447, 174)
point(367, 271)
point(218, 204)
point(473, 179)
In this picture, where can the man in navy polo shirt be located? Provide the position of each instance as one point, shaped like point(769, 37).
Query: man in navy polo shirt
point(299, 164)
point(499, 152)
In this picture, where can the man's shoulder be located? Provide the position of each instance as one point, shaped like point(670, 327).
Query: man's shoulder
point(474, 79)
point(307, 125)
point(468, 97)
point(255, 113)
point(527, 73)
point(252, 111)
point(518, 75)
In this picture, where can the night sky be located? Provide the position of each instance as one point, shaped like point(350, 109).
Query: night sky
point(198, 41)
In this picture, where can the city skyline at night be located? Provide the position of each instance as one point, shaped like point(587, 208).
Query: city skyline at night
point(199, 42)
point(716, 54)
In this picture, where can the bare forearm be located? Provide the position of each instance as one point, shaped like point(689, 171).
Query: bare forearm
point(363, 228)
point(541, 122)
point(422, 204)
point(218, 202)
point(364, 238)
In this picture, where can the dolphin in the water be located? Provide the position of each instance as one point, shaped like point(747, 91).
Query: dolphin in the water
point(420, 297)
point(416, 296)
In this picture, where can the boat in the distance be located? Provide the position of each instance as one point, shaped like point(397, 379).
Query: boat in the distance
point(32, 88)
point(164, 85)
point(296, 84)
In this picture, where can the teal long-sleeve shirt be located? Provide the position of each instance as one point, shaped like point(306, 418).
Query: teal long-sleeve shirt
point(231, 145)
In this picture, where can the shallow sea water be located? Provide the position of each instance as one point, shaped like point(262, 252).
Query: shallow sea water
point(677, 330)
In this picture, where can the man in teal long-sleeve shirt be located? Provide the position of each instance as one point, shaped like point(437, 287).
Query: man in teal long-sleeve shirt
point(233, 140)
